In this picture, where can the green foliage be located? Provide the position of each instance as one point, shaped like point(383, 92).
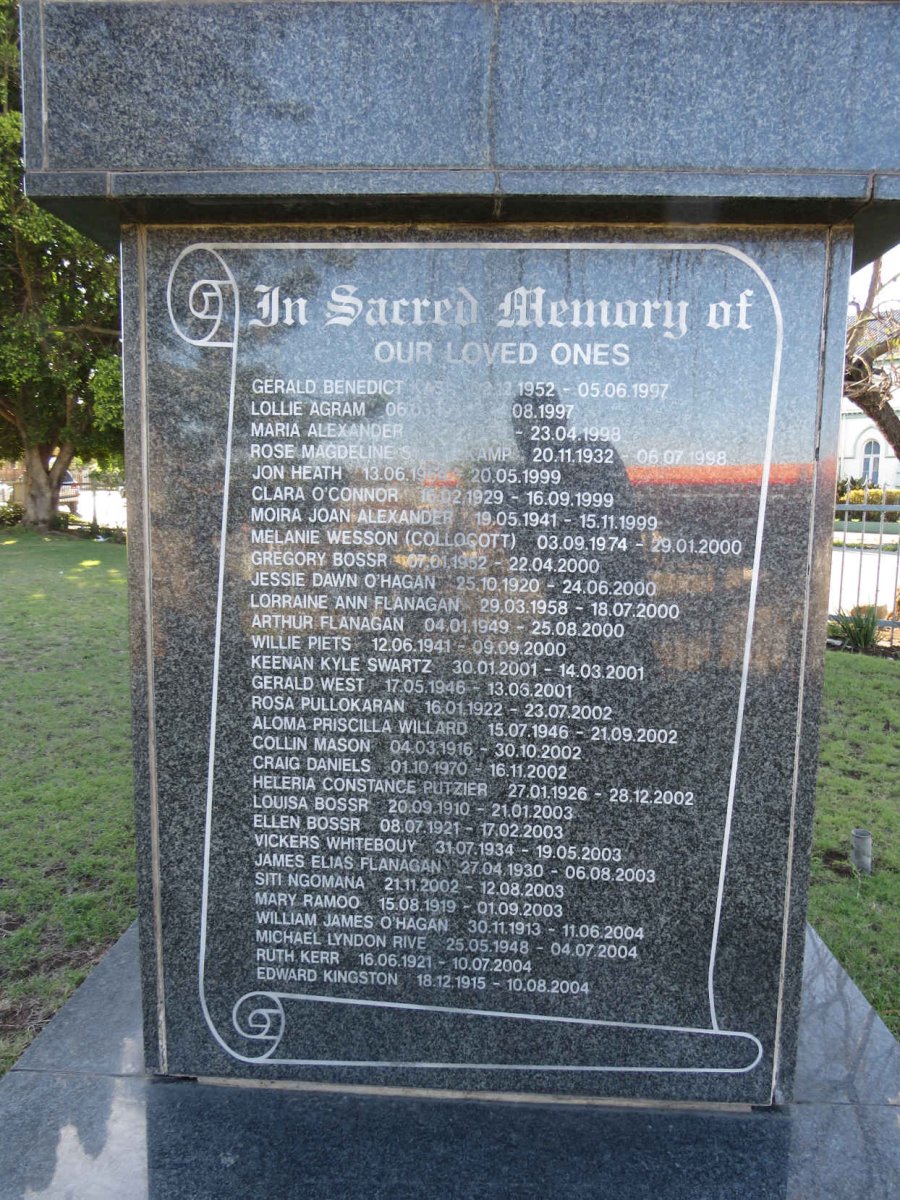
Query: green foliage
point(58, 326)
point(859, 764)
point(9, 55)
point(67, 886)
point(11, 514)
point(848, 484)
point(59, 388)
point(858, 628)
point(105, 385)
point(875, 495)
point(109, 480)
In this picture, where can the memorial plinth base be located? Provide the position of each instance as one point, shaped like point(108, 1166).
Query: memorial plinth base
point(80, 1118)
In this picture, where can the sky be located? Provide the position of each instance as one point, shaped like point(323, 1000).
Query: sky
point(859, 281)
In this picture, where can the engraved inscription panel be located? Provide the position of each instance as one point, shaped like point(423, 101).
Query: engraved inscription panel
point(492, 526)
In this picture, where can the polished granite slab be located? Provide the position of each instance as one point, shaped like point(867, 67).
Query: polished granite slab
point(80, 1120)
point(692, 894)
point(170, 109)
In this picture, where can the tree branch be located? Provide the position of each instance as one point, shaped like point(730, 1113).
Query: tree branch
point(874, 286)
point(876, 404)
point(869, 380)
point(61, 464)
point(31, 297)
point(98, 329)
point(11, 414)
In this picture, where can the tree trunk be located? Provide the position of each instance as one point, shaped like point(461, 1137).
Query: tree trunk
point(42, 483)
point(40, 502)
point(870, 376)
point(877, 407)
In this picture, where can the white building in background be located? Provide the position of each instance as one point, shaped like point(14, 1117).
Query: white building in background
point(863, 450)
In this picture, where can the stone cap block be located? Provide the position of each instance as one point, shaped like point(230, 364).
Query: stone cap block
point(437, 108)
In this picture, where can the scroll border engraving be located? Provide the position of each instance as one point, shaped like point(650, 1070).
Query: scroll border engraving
point(266, 1022)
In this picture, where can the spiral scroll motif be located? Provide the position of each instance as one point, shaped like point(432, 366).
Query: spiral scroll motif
point(259, 1017)
point(202, 298)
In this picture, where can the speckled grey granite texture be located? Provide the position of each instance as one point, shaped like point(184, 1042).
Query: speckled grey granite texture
point(620, 110)
point(81, 1119)
point(678, 1020)
point(678, 121)
point(469, 85)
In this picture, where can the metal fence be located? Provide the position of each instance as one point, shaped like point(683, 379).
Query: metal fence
point(865, 565)
point(103, 505)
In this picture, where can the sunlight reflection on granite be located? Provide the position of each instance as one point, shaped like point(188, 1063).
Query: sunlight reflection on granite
point(121, 1154)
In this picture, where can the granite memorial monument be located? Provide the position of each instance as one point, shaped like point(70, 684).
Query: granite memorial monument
point(480, 460)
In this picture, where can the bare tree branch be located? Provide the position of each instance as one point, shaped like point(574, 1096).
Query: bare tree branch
point(870, 376)
point(874, 286)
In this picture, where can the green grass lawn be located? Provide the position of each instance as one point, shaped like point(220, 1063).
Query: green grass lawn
point(66, 831)
point(67, 886)
point(859, 787)
point(857, 527)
